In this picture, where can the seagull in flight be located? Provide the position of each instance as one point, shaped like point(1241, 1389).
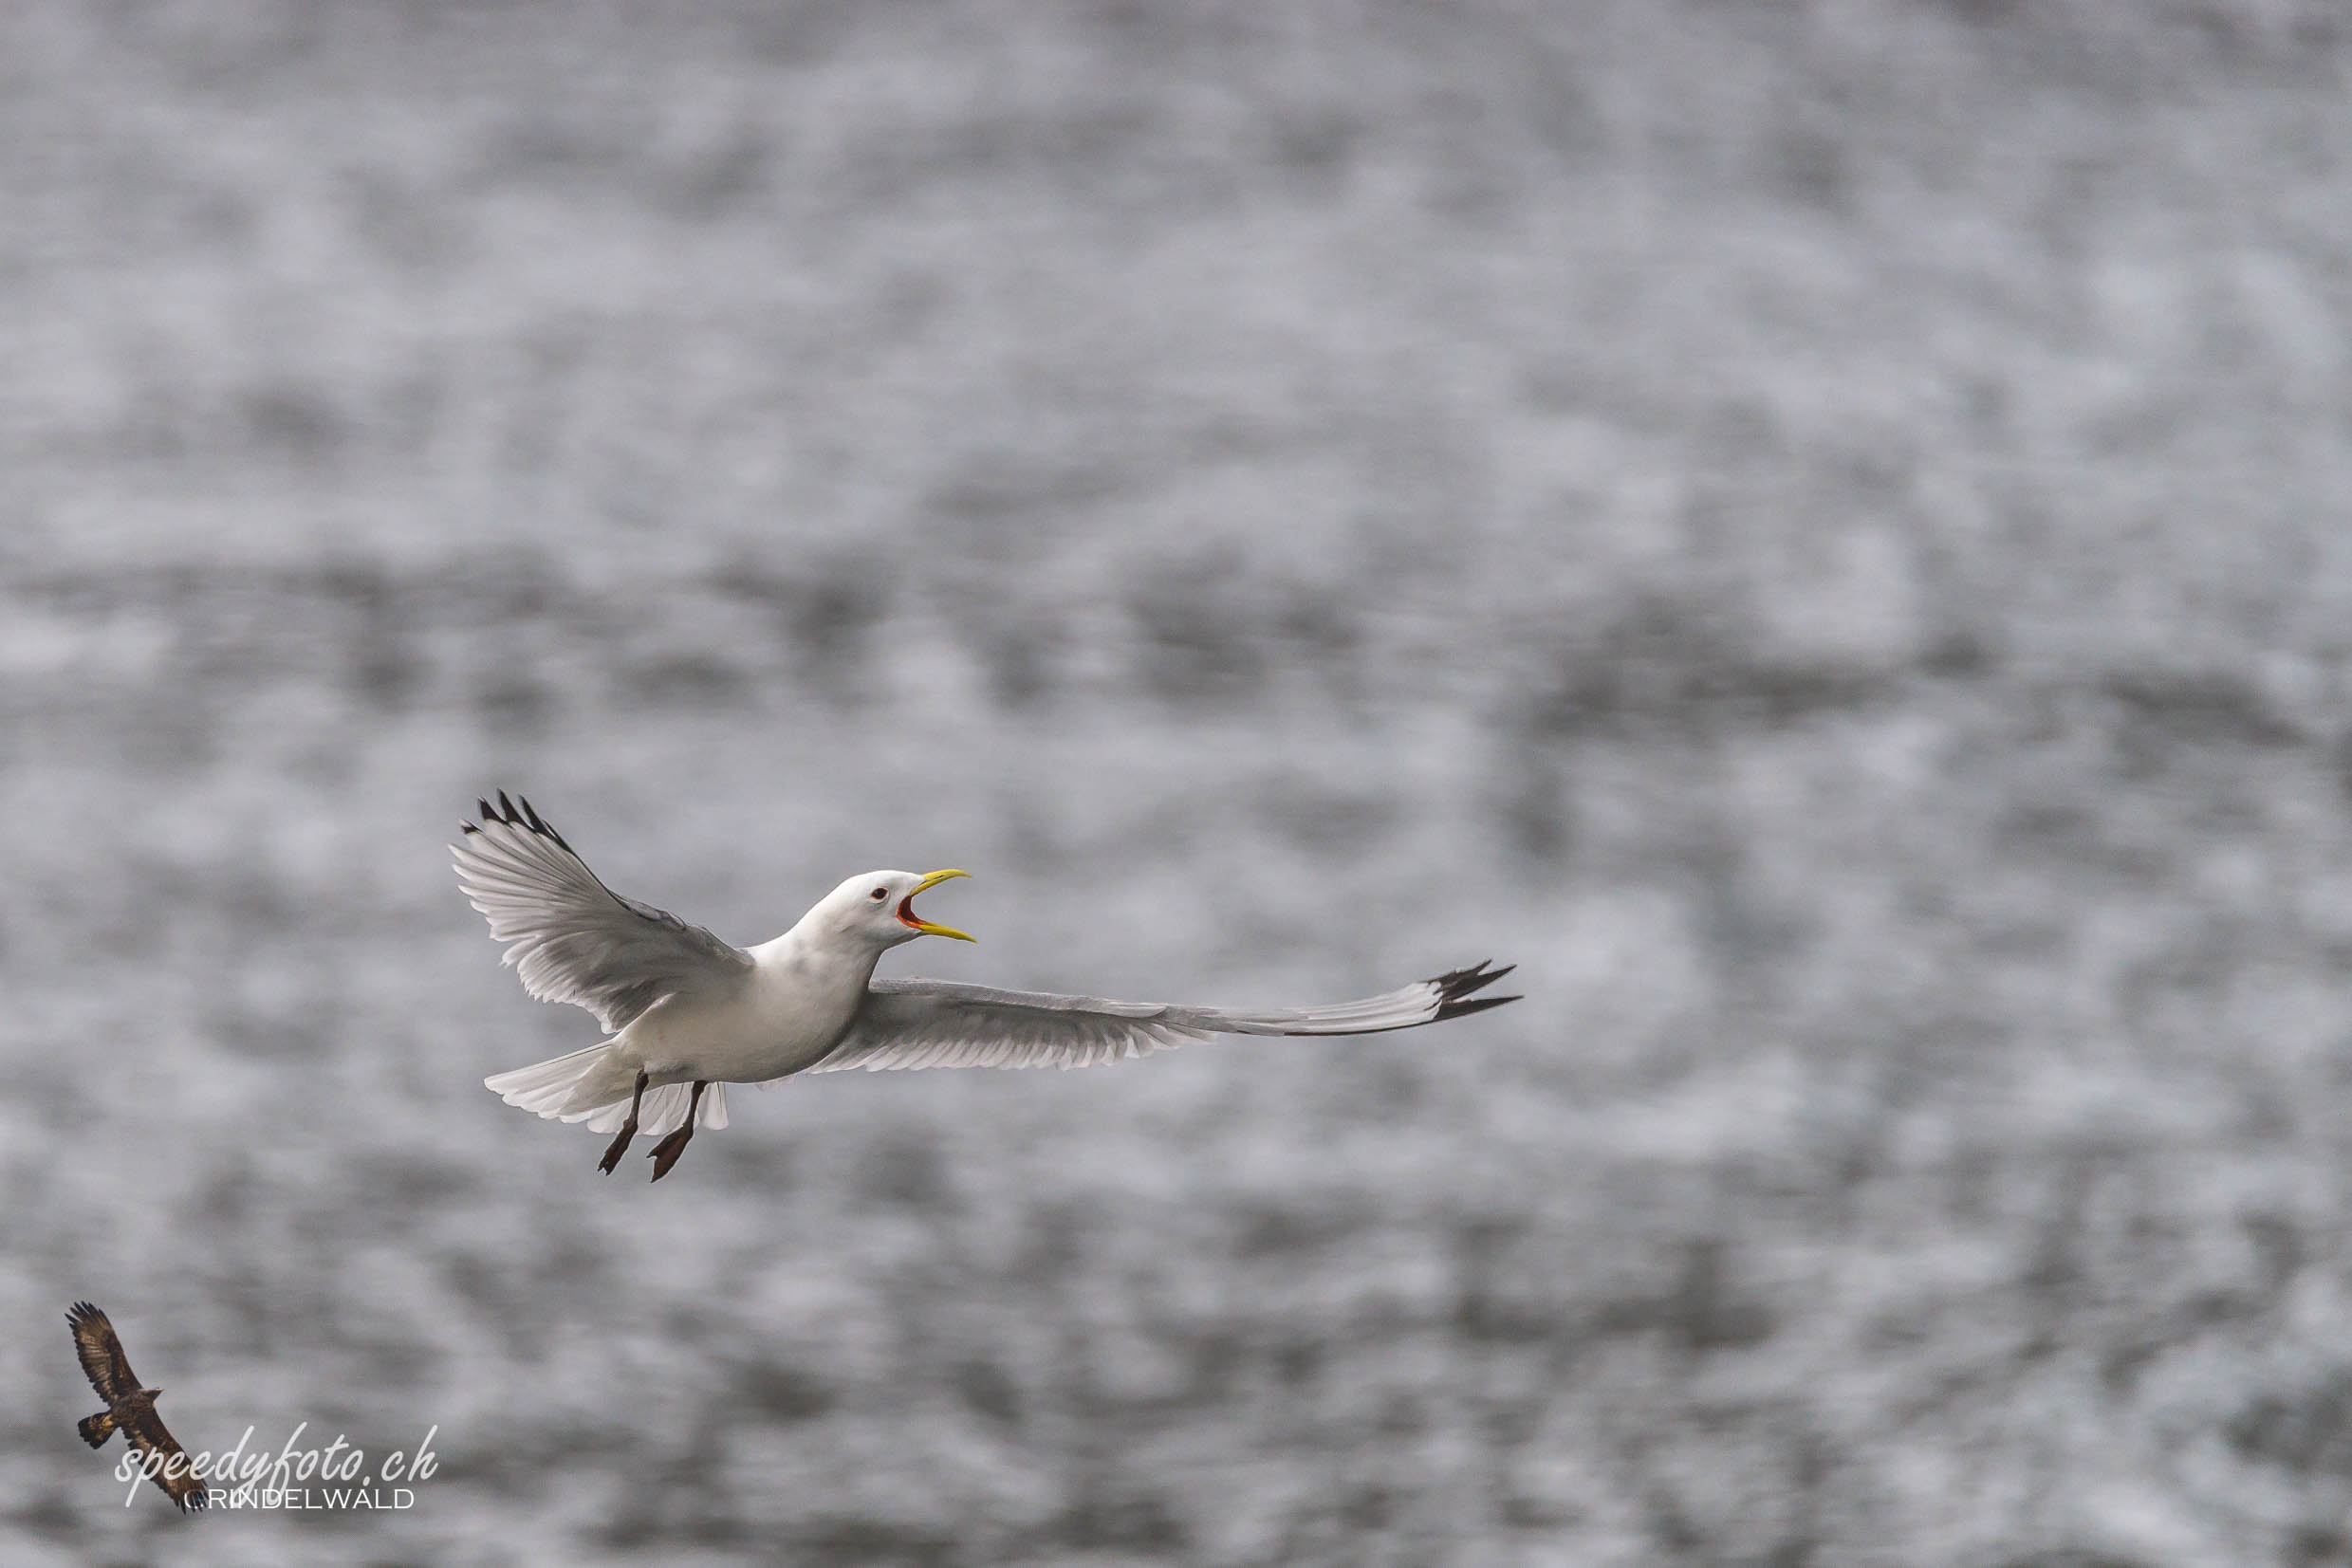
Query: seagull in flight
point(688, 1013)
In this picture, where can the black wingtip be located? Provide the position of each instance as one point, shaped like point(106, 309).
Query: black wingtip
point(516, 811)
point(540, 824)
point(1463, 1009)
point(1457, 984)
point(81, 1312)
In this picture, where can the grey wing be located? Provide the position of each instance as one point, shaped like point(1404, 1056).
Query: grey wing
point(943, 1024)
point(569, 936)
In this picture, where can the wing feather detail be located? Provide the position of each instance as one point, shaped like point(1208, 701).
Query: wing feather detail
point(570, 937)
point(911, 1023)
point(100, 1352)
point(167, 1462)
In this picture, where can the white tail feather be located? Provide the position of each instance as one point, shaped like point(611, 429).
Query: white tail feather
point(592, 1086)
point(563, 1087)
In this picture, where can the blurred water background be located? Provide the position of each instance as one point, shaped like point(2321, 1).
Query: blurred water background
point(1818, 529)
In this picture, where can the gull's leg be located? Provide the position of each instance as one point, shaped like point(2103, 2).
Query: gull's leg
point(665, 1154)
point(629, 1129)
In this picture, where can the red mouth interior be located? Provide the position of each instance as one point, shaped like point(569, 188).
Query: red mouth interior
point(906, 912)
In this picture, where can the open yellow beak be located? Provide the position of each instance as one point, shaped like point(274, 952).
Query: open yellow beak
point(931, 928)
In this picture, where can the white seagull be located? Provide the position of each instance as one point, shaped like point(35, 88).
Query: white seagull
point(688, 1012)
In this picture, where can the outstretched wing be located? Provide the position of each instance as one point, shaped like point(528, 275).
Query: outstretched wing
point(572, 938)
point(101, 1352)
point(941, 1024)
point(165, 1461)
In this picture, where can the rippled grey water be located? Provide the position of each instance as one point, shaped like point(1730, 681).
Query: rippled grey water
point(1817, 530)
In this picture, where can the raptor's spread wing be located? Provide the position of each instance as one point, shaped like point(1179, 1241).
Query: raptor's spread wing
point(101, 1352)
point(165, 1461)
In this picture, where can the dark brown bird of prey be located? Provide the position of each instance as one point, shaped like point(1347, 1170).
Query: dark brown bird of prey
point(130, 1407)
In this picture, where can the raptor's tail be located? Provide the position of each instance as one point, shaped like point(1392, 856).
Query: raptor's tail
point(95, 1429)
point(594, 1086)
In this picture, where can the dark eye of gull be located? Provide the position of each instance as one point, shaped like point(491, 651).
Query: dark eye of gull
point(881, 894)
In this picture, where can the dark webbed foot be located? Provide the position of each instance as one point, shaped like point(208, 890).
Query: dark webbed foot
point(620, 1145)
point(665, 1154)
